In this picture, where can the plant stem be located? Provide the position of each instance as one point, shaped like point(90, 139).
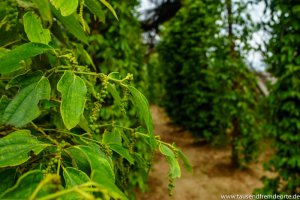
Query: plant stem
point(77, 72)
point(58, 165)
point(63, 192)
point(84, 194)
point(10, 43)
point(41, 185)
point(43, 132)
point(67, 132)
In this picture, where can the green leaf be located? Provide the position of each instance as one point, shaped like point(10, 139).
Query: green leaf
point(66, 7)
point(95, 7)
point(15, 148)
point(114, 75)
point(79, 159)
point(25, 186)
point(142, 105)
point(25, 4)
point(34, 29)
point(174, 168)
point(23, 108)
point(73, 90)
point(72, 25)
point(112, 90)
point(113, 137)
point(186, 163)
point(96, 158)
point(84, 124)
point(44, 9)
point(85, 56)
point(110, 8)
point(11, 61)
point(122, 152)
point(4, 101)
point(3, 51)
point(105, 182)
point(74, 177)
point(98, 161)
point(7, 179)
point(166, 151)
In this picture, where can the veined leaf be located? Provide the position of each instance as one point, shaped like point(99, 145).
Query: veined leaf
point(3, 51)
point(166, 151)
point(95, 7)
point(11, 61)
point(97, 161)
point(95, 158)
point(114, 75)
point(79, 159)
point(85, 56)
point(174, 168)
point(84, 124)
point(16, 146)
point(110, 8)
point(4, 101)
point(34, 29)
point(74, 177)
point(113, 137)
point(112, 90)
point(23, 108)
point(66, 7)
point(73, 90)
point(119, 149)
point(186, 163)
point(105, 182)
point(44, 9)
point(25, 186)
point(72, 25)
point(142, 105)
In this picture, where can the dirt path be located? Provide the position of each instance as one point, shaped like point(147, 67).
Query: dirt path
point(212, 174)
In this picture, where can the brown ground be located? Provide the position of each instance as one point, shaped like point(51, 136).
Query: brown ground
point(212, 174)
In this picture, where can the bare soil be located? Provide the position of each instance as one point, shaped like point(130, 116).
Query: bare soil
point(212, 174)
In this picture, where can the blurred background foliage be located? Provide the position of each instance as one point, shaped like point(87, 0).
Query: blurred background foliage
point(199, 70)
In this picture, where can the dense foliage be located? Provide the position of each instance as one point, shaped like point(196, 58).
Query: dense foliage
point(209, 88)
point(57, 138)
point(282, 57)
point(185, 60)
point(284, 121)
point(283, 26)
point(118, 46)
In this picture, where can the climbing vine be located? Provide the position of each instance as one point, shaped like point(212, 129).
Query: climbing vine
point(210, 90)
point(283, 59)
point(56, 141)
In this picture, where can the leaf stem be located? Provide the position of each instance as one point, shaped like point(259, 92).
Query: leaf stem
point(67, 132)
point(43, 132)
point(58, 165)
point(86, 73)
point(48, 178)
point(15, 41)
point(145, 135)
point(63, 192)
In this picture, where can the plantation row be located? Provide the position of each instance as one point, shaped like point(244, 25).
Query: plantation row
point(210, 89)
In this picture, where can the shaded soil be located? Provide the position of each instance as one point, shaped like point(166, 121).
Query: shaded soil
point(212, 174)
